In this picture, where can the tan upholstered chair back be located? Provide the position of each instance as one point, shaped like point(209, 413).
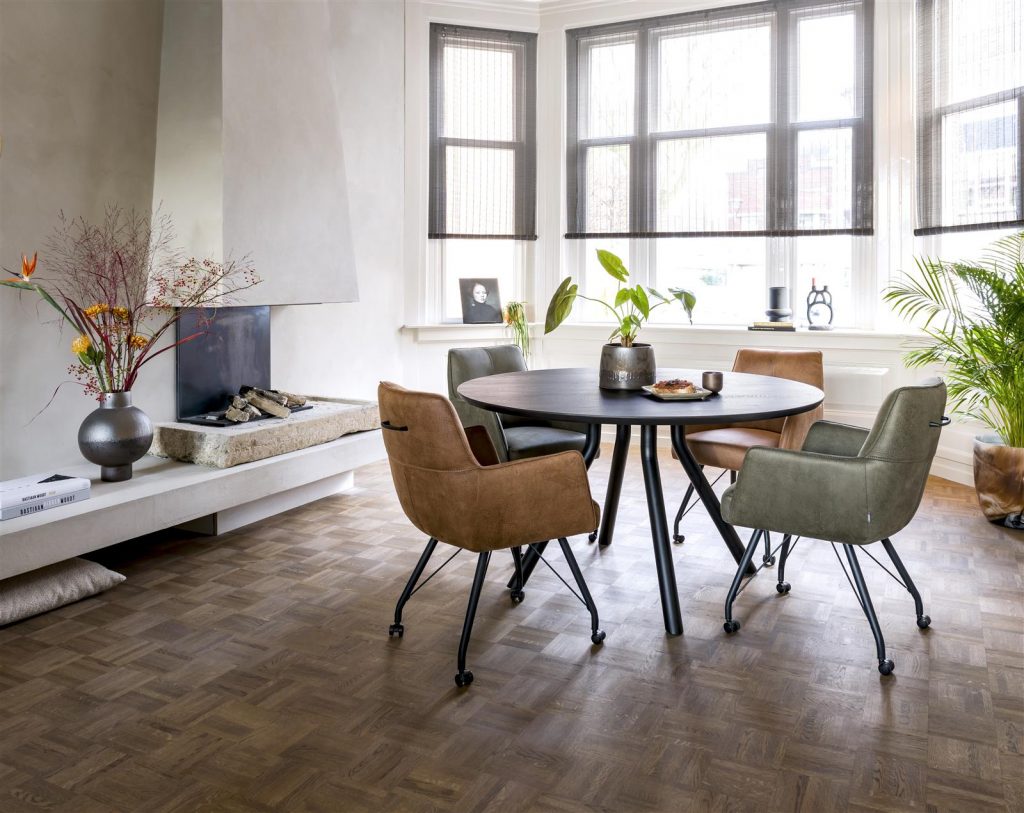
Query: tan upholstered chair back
point(804, 366)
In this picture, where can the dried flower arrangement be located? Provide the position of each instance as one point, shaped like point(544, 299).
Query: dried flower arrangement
point(120, 285)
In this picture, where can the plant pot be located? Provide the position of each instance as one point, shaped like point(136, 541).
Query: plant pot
point(999, 480)
point(627, 368)
point(115, 436)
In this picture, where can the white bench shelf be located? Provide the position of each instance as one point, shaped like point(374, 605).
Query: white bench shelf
point(166, 493)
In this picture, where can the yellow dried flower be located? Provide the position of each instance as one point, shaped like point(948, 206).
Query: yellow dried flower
point(138, 341)
point(120, 313)
point(80, 345)
point(95, 310)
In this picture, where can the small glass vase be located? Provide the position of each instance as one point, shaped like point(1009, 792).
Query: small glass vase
point(115, 435)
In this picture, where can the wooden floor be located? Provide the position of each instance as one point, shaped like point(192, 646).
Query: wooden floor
point(254, 672)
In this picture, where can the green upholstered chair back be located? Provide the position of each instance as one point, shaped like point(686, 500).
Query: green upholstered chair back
point(900, 448)
point(467, 363)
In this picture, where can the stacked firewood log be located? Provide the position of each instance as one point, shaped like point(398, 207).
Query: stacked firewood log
point(253, 402)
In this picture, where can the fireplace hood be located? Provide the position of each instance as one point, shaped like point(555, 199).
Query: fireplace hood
point(249, 154)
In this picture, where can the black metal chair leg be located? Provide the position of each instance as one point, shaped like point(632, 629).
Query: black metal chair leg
point(923, 621)
point(530, 560)
point(732, 477)
point(730, 625)
point(397, 628)
point(464, 677)
point(885, 665)
point(767, 559)
point(676, 536)
point(517, 580)
point(782, 585)
point(596, 633)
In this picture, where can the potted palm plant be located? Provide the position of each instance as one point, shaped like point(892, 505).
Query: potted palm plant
point(974, 327)
point(625, 364)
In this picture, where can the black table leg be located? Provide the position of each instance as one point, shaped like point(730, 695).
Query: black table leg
point(532, 555)
point(707, 494)
point(659, 530)
point(610, 509)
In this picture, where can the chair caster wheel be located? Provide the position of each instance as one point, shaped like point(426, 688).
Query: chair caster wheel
point(783, 587)
point(396, 629)
point(598, 637)
point(517, 596)
point(886, 666)
point(463, 679)
point(592, 537)
point(731, 626)
point(768, 561)
point(924, 621)
point(679, 539)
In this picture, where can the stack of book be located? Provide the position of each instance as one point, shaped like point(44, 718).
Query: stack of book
point(780, 326)
point(29, 495)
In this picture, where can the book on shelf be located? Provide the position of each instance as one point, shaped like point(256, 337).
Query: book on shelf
point(779, 326)
point(29, 495)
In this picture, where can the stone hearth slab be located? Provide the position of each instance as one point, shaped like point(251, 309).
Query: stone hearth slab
point(225, 446)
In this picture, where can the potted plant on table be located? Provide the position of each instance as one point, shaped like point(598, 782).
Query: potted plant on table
point(120, 286)
point(974, 326)
point(625, 364)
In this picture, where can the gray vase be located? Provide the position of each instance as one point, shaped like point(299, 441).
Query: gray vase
point(627, 368)
point(115, 436)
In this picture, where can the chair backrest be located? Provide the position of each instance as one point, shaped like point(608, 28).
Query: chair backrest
point(467, 363)
point(901, 446)
point(804, 366)
point(426, 446)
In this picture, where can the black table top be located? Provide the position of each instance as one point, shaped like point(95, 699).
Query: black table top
point(572, 394)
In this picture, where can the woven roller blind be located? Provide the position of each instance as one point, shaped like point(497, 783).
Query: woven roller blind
point(483, 142)
point(970, 125)
point(748, 120)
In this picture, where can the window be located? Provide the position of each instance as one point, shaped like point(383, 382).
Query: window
point(482, 195)
point(970, 94)
point(744, 121)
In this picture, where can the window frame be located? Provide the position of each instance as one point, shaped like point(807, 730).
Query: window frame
point(930, 119)
point(782, 132)
point(523, 47)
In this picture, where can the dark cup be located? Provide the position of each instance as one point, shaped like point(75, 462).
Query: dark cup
point(712, 381)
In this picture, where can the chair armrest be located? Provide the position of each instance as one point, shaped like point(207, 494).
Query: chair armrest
point(802, 493)
point(826, 437)
point(480, 442)
point(535, 499)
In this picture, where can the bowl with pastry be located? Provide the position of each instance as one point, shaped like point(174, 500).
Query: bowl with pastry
point(677, 389)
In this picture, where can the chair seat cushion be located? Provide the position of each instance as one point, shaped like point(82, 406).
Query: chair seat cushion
point(534, 441)
point(726, 448)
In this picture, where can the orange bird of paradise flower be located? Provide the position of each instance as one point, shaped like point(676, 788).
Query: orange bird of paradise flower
point(28, 268)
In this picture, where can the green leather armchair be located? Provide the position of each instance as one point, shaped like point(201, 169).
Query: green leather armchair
point(846, 485)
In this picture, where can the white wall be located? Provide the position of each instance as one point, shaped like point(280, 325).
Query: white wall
point(78, 102)
point(346, 349)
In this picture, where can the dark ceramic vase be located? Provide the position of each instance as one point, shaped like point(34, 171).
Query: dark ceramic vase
point(115, 436)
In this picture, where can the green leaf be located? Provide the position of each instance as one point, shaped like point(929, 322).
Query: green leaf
point(639, 297)
point(658, 294)
point(623, 296)
point(612, 264)
point(688, 300)
point(561, 304)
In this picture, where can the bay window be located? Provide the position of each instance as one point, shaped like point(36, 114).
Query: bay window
point(716, 138)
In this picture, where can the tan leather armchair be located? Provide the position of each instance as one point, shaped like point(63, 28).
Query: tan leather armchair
point(725, 445)
point(452, 488)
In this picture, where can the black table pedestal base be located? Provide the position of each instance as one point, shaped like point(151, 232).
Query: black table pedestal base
point(659, 530)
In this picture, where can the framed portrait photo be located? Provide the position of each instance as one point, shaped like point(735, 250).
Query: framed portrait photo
point(481, 303)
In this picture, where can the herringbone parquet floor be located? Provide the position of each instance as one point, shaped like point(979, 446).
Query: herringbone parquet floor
point(254, 672)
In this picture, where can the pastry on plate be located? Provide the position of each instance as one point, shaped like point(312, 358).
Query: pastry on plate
point(674, 386)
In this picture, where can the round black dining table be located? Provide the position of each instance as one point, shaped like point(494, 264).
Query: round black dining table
point(572, 394)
